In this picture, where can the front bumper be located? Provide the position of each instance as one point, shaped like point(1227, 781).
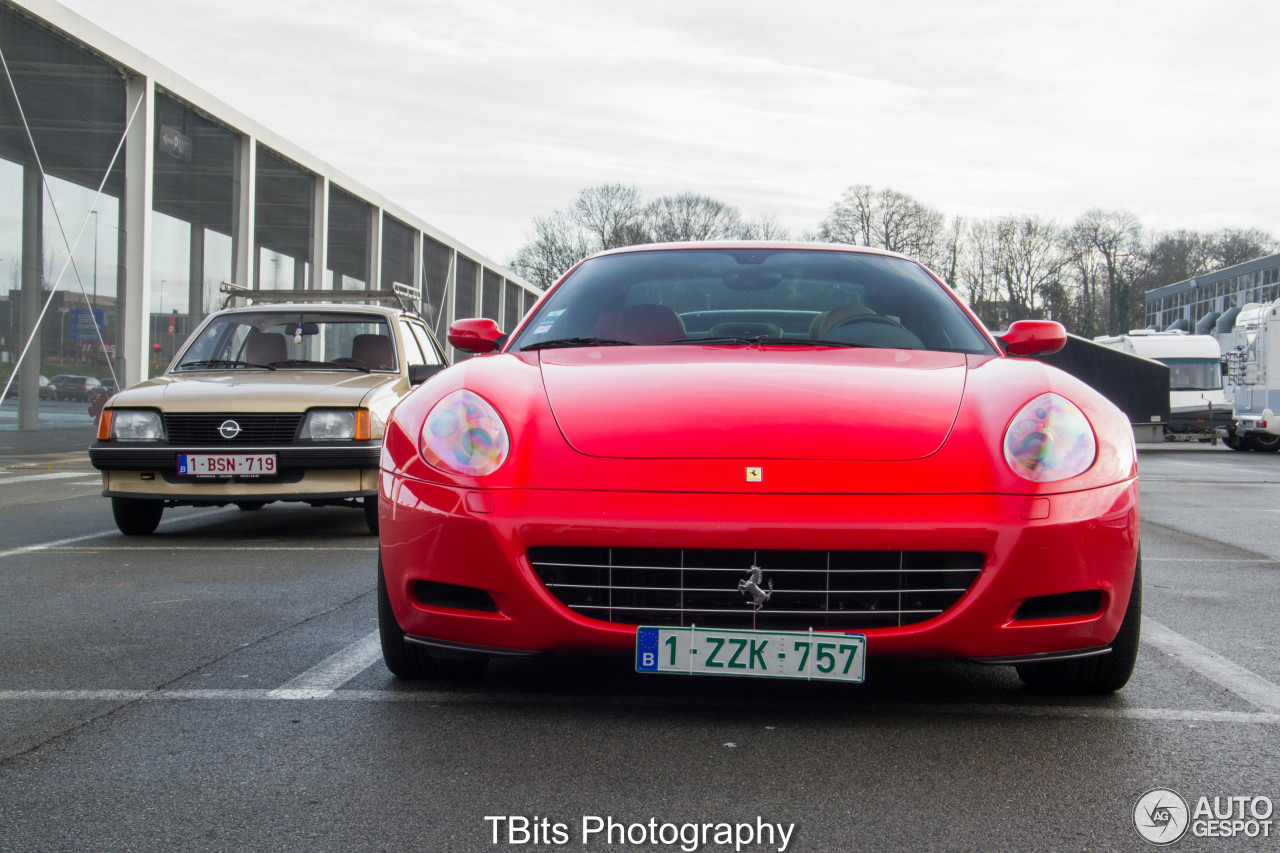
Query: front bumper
point(470, 540)
point(318, 473)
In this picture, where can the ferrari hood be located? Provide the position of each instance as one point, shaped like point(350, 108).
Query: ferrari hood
point(255, 391)
point(749, 403)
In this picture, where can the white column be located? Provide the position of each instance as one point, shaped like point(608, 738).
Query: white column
point(246, 247)
point(319, 233)
point(375, 251)
point(415, 278)
point(134, 346)
point(33, 296)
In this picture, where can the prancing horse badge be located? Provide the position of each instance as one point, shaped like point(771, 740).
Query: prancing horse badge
point(755, 475)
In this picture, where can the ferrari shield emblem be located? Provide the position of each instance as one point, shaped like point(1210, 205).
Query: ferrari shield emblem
point(755, 475)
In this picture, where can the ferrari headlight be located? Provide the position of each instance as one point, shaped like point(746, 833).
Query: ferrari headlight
point(331, 425)
point(1049, 439)
point(464, 434)
point(136, 425)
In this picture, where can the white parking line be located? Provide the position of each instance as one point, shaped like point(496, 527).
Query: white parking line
point(434, 697)
point(332, 672)
point(101, 534)
point(33, 478)
point(1247, 685)
point(1185, 463)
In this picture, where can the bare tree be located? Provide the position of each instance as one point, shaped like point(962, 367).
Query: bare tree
point(976, 273)
point(558, 243)
point(613, 214)
point(688, 216)
point(1027, 264)
point(765, 227)
point(852, 218)
point(1114, 238)
point(1236, 245)
point(886, 219)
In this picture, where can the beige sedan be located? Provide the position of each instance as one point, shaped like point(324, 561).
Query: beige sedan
point(277, 402)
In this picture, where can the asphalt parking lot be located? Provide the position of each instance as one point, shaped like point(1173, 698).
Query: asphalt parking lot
point(218, 686)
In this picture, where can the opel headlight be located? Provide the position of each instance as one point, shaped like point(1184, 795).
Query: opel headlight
point(336, 425)
point(463, 434)
point(1049, 439)
point(136, 425)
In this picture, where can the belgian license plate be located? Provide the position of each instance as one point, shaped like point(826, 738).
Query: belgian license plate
point(227, 464)
point(770, 654)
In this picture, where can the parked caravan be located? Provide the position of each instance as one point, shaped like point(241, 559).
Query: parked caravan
point(1199, 403)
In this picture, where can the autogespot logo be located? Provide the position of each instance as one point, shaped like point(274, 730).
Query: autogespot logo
point(1161, 816)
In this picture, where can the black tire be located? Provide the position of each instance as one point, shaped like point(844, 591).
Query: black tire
point(1263, 442)
point(1095, 675)
point(136, 516)
point(250, 506)
point(413, 662)
point(371, 514)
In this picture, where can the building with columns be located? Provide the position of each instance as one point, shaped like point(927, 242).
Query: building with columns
point(128, 196)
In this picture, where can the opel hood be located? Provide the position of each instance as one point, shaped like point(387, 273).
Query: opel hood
point(253, 391)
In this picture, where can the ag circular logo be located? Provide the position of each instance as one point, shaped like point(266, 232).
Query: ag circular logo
point(229, 429)
point(1161, 816)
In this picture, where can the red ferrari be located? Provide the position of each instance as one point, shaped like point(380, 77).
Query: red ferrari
point(760, 459)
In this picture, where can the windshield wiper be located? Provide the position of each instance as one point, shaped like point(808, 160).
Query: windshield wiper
point(562, 343)
point(324, 365)
point(223, 362)
point(761, 340)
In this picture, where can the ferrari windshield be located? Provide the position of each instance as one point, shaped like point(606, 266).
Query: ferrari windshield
point(306, 339)
point(733, 296)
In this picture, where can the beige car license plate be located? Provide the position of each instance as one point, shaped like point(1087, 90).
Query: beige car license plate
point(227, 464)
point(769, 654)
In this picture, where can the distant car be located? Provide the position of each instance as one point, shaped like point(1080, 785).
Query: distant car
point(100, 399)
point(46, 389)
point(268, 402)
point(74, 387)
point(760, 459)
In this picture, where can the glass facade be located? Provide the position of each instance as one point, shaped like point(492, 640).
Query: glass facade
point(123, 269)
point(511, 308)
point(282, 222)
point(491, 296)
point(437, 284)
point(350, 232)
point(1194, 299)
point(195, 194)
point(62, 122)
point(397, 253)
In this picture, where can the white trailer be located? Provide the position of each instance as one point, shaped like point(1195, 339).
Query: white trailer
point(1253, 376)
point(1199, 404)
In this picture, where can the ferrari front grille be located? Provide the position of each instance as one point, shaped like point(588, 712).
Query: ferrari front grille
point(795, 590)
point(250, 428)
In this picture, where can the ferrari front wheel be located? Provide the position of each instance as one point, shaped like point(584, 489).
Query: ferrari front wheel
point(410, 661)
point(1102, 673)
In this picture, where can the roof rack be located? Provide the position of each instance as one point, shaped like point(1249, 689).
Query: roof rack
point(402, 294)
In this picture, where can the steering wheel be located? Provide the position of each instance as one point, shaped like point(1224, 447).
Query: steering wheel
point(896, 336)
point(865, 318)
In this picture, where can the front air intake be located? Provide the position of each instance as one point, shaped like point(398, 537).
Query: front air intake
point(842, 590)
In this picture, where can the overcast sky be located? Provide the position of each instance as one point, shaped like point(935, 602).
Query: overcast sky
point(479, 114)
